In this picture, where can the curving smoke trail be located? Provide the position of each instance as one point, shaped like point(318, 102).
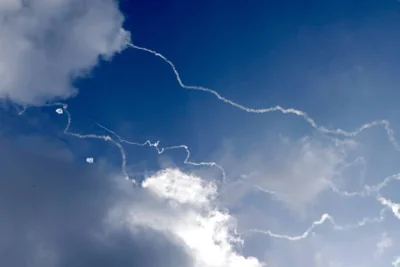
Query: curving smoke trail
point(395, 207)
point(119, 140)
point(108, 138)
point(163, 149)
point(325, 217)
point(368, 190)
point(304, 115)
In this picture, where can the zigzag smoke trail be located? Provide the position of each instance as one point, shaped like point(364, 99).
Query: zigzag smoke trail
point(368, 190)
point(108, 138)
point(306, 117)
point(162, 150)
point(325, 217)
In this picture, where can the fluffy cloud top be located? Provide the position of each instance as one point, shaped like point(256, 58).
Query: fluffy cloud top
point(192, 217)
point(53, 215)
point(47, 43)
point(57, 213)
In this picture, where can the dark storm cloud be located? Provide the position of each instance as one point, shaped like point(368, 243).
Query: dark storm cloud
point(53, 213)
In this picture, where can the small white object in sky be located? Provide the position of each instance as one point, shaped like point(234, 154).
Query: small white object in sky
point(89, 160)
point(59, 111)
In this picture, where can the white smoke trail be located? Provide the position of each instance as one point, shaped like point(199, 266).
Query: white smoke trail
point(64, 110)
point(304, 115)
point(107, 138)
point(325, 217)
point(368, 190)
point(395, 207)
point(163, 149)
point(386, 125)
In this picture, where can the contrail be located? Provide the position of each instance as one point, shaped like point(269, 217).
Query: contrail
point(325, 217)
point(395, 207)
point(163, 149)
point(304, 115)
point(107, 138)
point(367, 191)
point(64, 109)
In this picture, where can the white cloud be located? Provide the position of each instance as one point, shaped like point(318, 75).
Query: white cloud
point(396, 261)
point(47, 43)
point(191, 216)
point(297, 173)
point(54, 214)
point(320, 261)
point(306, 172)
point(383, 244)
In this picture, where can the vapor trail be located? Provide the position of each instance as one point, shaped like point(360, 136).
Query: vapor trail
point(304, 115)
point(163, 149)
point(395, 207)
point(106, 138)
point(325, 217)
point(368, 189)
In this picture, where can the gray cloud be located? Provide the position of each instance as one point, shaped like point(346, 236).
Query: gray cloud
point(47, 43)
point(300, 171)
point(54, 213)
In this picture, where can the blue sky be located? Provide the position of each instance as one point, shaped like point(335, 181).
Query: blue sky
point(309, 56)
point(294, 193)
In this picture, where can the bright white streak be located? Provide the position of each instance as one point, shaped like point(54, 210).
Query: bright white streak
point(163, 149)
point(325, 217)
point(277, 108)
point(106, 138)
point(304, 115)
point(395, 207)
point(390, 133)
point(368, 189)
point(322, 220)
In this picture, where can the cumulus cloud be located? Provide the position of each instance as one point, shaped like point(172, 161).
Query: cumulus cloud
point(45, 44)
point(57, 213)
point(53, 214)
point(191, 216)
